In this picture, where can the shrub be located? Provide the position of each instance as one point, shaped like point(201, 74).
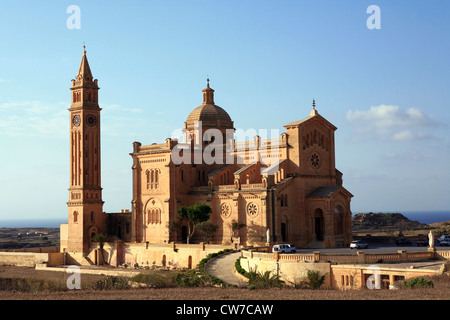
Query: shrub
point(264, 281)
point(111, 283)
point(155, 280)
point(238, 267)
point(418, 282)
point(315, 281)
point(188, 279)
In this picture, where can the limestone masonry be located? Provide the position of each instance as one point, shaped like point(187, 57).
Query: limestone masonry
point(284, 189)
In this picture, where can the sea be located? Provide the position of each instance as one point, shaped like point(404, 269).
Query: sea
point(32, 223)
point(426, 217)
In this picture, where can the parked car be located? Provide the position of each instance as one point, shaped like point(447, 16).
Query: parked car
point(403, 242)
point(284, 248)
point(422, 242)
point(444, 243)
point(444, 238)
point(358, 244)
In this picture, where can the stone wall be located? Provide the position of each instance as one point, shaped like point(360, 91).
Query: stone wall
point(292, 272)
point(358, 276)
point(170, 255)
point(346, 271)
point(30, 259)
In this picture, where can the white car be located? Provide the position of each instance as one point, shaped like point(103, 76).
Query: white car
point(284, 248)
point(444, 243)
point(358, 244)
point(444, 238)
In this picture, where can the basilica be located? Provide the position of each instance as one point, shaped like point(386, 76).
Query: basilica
point(285, 189)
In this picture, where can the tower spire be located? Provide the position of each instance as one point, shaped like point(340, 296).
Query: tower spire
point(208, 94)
point(85, 71)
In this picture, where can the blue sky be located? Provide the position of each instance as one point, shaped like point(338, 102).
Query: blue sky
point(387, 90)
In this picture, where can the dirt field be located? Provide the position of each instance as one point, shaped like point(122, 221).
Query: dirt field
point(441, 291)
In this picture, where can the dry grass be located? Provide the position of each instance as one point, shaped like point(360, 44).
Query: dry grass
point(441, 291)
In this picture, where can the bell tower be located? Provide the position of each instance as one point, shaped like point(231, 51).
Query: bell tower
point(86, 216)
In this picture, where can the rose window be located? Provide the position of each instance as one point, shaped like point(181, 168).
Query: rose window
point(225, 210)
point(252, 210)
point(315, 160)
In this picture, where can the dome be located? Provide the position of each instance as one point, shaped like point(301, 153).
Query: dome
point(212, 116)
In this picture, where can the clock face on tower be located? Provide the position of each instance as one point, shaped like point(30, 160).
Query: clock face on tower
point(76, 120)
point(91, 120)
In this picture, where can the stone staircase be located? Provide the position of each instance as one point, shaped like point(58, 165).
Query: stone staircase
point(78, 258)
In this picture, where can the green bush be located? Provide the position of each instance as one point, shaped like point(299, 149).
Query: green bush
point(264, 281)
point(156, 279)
point(188, 279)
point(312, 281)
point(238, 267)
point(111, 283)
point(418, 282)
point(315, 280)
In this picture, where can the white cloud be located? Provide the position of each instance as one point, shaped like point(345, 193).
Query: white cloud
point(391, 122)
point(33, 118)
point(42, 119)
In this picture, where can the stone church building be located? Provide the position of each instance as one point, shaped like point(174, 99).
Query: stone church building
point(283, 189)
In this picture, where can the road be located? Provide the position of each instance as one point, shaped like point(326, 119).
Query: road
point(223, 268)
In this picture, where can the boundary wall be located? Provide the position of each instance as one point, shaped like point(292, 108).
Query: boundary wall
point(115, 254)
point(30, 259)
point(347, 271)
point(146, 255)
point(359, 258)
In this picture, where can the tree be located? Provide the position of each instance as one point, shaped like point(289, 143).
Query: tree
point(207, 228)
point(236, 226)
point(100, 238)
point(172, 227)
point(195, 214)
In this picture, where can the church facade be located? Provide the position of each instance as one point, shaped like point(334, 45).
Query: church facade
point(285, 189)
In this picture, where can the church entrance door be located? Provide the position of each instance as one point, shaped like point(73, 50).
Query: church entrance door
point(318, 224)
point(283, 232)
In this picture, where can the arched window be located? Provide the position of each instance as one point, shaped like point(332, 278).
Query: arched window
point(153, 178)
point(154, 215)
